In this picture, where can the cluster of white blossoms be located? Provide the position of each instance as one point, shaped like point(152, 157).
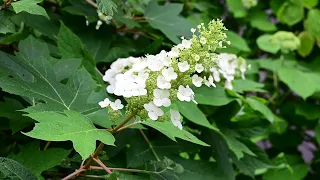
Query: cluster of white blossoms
point(152, 83)
point(102, 18)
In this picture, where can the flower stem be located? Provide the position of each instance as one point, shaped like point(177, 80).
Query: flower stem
point(47, 145)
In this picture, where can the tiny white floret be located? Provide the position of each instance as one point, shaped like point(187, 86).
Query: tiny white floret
point(183, 66)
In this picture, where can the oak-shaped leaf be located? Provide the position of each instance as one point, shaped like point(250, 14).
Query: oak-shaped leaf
point(38, 161)
point(70, 126)
point(33, 57)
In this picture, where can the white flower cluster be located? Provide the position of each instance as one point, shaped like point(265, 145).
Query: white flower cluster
point(151, 83)
point(229, 66)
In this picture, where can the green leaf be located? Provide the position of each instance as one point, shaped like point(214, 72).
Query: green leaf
point(264, 43)
point(236, 8)
point(310, 3)
point(107, 7)
point(172, 132)
point(307, 43)
point(58, 97)
point(14, 170)
point(38, 161)
point(241, 86)
point(260, 107)
point(9, 109)
point(29, 6)
point(72, 126)
point(236, 146)
point(237, 41)
point(194, 114)
point(166, 18)
point(299, 81)
point(309, 111)
point(212, 96)
point(260, 21)
point(6, 25)
point(249, 164)
point(220, 152)
point(291, 12)
point(298, 172)
point(313, 22)
point(71, 46)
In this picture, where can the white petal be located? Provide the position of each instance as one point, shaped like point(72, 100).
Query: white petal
point(166, 102)
point(153, 115)
point(157, 102)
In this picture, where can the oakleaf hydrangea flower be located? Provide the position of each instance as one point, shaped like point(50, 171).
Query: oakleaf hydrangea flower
point(175, 118)
point(151, 84)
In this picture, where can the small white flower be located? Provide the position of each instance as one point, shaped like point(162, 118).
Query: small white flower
point(99, 23)
point(153, 111)
point(174, 52)
point(161, 98)
point(193, 30)
point(228, 42)
point(104, 103)
point(196, 80)
point(169, 74)
point(87, 22)
point(209, 82)
point(216, 74)
point(199, 26)
point(185, 93)
point(162, 83)
point(183, 66)
point(154, 63)
point(116, 105)
point(175, 118)
point(220, 44)
point(110, 89)
point(186, 43)
point(203, 40)
point(199, 68)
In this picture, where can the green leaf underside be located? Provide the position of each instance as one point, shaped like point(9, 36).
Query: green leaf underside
point(14, 170)
point(72, 126)
point(107, 6)
point(173, 132)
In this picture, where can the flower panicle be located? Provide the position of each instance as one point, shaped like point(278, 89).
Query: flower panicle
point(152, 83)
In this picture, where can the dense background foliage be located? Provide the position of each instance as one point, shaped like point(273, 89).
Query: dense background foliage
point(265, 128)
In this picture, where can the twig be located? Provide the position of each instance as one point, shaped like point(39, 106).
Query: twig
point(75, 173)
point(127, 126)
point(100, 147)
point(47, 145)
point(92, 3)
point(120, 169)
point(147, 140)
point(7, 4)
point(102, 165)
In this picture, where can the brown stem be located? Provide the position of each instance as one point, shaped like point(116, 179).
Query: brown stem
point(127, 126)
point(47, 145)
point(100, 147)
point(114, 130)
point(7, 4)
point(119, 169)
point(75, 173)
point(92, 3)
point(102, 165)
